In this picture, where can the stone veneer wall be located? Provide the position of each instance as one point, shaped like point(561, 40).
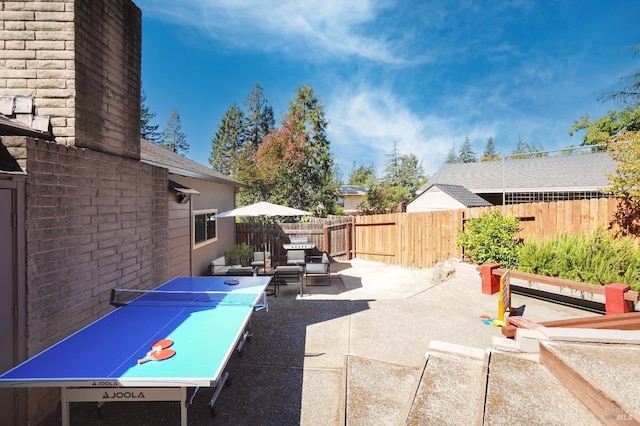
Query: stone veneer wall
point(80, 60)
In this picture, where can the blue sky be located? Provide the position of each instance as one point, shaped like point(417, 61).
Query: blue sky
point(425, 74)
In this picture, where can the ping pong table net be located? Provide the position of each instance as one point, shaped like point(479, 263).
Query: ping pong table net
point(122, 297)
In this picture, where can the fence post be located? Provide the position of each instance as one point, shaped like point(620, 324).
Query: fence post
point(347, 240)
point(614, 299)
point(490, 282)
point(326, 240)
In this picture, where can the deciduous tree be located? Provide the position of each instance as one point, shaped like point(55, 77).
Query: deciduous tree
point(598, 131)
point(309, 118)
point(280, 167)
point(527, 150)
point(625, 182)
point(601, 130)
point(362, 175)
point(402, 178)
point(383, 198)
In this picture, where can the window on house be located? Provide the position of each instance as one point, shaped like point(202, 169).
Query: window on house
point(204, 226)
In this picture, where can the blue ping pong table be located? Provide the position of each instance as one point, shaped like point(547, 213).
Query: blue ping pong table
point(207, 318)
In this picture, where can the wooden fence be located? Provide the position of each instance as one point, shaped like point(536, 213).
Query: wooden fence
point(330, 235)
point(423, 239)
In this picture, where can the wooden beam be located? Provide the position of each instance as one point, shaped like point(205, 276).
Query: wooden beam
point(560, 282)
point(633, 296)
point(629, 321)
point(600, 404)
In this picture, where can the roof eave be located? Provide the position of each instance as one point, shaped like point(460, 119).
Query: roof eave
point(512, 190)
point(190, 173)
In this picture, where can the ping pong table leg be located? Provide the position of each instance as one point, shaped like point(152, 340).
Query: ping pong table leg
point(243, 340)
point(247, 331)
point(263, 305)
point(183, 406)
point(64, 405)
point(216, 393)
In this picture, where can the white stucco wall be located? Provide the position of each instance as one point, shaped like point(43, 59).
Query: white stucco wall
point(433, 199)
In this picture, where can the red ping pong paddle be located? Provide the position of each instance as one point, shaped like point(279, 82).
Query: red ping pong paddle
point(159, 351)
point(160, 355)
point(162, 344)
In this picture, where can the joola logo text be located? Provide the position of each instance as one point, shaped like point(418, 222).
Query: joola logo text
point(104, 384)
point(123, 395)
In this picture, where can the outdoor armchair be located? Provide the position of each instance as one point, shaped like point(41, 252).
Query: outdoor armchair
point(318, 266)
point(260, 258)
point(296, 257)
point(288, 275)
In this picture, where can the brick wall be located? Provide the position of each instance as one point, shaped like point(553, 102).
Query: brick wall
point(88, 230)
point(80, 60)
point(95, 217)
point(108, 43)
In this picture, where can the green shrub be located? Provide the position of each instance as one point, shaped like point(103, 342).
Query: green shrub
point(596, 258)
point(492, 238)
point(240, 254)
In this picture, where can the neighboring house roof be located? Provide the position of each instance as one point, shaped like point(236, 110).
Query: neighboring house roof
point(462, 195)
point(580, 172)
point(352, 190)
point(158, 156)
point(445, 197)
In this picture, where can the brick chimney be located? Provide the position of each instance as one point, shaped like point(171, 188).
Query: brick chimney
point(80, 61)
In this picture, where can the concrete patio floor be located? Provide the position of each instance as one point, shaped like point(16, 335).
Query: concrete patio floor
point(294, 369)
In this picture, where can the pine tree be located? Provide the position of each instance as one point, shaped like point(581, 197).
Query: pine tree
point(452, 157)
point(258, 118)
point(392, 168)
point(404, 171)
point(629, 95)
point(147, 130)
point(467, 155)
point(227, 144)
point(490, 151)
point(172, 138)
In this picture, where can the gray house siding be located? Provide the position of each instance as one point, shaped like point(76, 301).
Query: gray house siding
point(179, 238)
point(213, 196)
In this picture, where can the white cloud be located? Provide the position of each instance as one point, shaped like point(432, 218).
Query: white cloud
point(313, 28)
point(365, 122)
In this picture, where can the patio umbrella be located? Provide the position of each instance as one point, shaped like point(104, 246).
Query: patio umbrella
point(263, 209)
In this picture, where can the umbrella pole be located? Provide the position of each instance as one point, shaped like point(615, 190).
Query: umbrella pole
point(264, 248)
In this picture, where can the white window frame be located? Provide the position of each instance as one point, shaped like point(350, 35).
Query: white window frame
point(193, 224)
